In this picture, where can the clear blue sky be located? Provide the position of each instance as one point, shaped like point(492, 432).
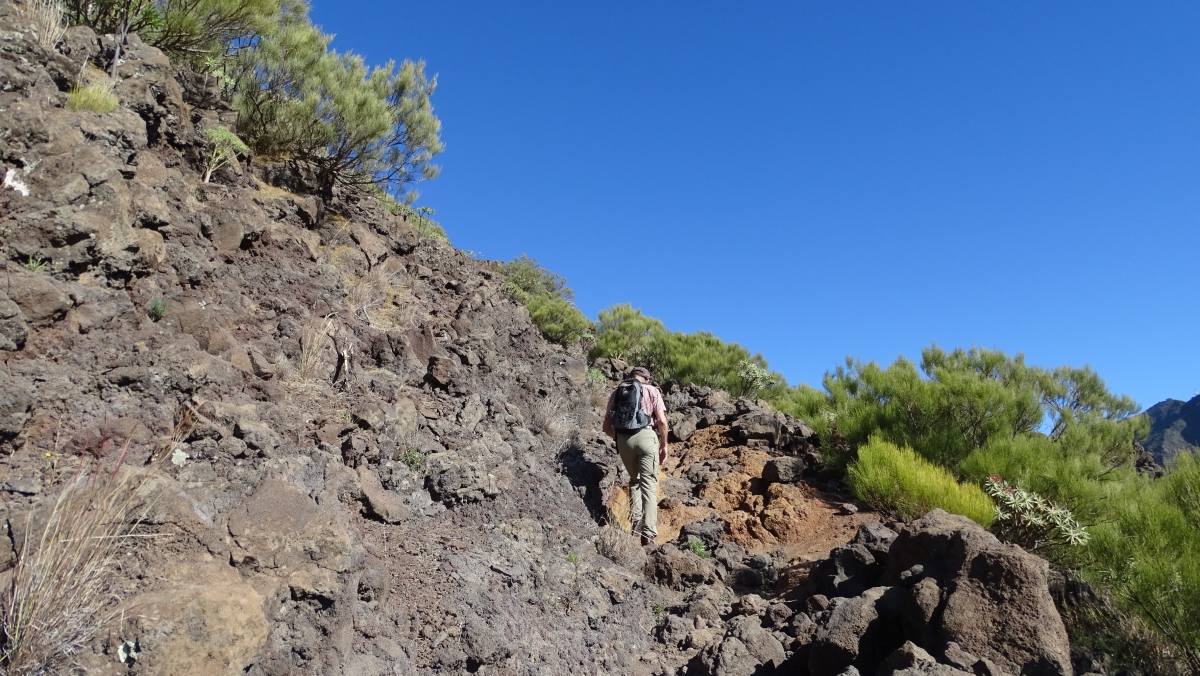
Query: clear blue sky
point(817, 180)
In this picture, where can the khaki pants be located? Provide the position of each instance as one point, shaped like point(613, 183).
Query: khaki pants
point(639, 452)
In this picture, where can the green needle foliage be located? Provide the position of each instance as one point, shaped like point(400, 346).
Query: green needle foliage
point(189, 31)
point(334, 119)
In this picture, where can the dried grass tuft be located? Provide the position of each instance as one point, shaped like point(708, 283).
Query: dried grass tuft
point(555, 421)
point(47, 19)
point(63, 589)
point(378, 299)
point(621, 547)
point(314, 343)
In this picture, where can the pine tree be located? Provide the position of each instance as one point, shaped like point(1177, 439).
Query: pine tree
point(333, 118)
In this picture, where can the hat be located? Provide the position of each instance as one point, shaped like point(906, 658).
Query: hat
point(639, 371)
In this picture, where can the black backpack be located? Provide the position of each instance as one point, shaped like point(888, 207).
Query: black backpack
point(628, 415)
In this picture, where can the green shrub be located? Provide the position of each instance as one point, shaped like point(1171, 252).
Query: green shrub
point(696, 545)
point(412, 458)
point(1027, 519)
point(548, 300)
point(524, 274)
point(558, 319)
point(896, 480)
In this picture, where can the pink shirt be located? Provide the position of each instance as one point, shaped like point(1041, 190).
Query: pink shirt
point(652, 402)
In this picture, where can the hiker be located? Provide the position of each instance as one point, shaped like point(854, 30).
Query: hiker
point(633, 408)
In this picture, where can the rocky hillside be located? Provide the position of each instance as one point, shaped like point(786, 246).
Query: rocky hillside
point(1174, 427)
point(361, 457)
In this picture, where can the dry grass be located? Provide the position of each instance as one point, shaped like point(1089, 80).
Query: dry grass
point(597, 395)
point(47, 19)
point(621, 547)
point(63, 588)
point(555, 421)
point(314, 343)
point(378, 298)
point(272, 191)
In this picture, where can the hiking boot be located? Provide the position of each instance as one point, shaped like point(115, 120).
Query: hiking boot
point(647, 541)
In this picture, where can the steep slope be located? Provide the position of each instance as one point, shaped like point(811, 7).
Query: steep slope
point(360, 456)
point(1174, 427)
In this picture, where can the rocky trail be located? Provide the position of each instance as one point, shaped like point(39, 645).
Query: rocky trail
point(364, 459)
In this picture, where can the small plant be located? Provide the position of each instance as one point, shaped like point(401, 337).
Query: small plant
point(1031, 521)
point(697, 546)
point(755, 377)
point(412, 459)
point(158, 309)
point(93, 92)
point(35, 264)
point(596, 378)
point(573, 559)
point(223, 147)
point(657, 608)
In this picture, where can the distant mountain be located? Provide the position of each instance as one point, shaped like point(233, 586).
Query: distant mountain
point(1174, 427)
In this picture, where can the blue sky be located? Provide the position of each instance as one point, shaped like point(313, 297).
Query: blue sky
point(817, 180)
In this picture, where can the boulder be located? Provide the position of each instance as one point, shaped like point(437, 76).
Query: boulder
point(13, 330)
point(849, 571)
point(710, 531)
point(280, 526)
point(911, 660)
point(207, 621)
point(768, 425)
point(783, 470)
point(876, 537)
point(679, 569)
point(453, 479)
point(747, 649)
point(859, 632)
point(995, 600)
point(384, 504)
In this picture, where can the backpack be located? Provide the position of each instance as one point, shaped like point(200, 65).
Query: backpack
point(628, 415)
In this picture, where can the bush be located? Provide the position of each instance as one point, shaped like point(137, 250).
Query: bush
point(699, 358)
point(548, 300)
point(898, 481)
point(336, 121)
point(1148, 553)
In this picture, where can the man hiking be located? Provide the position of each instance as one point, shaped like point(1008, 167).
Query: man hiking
point(633, 408)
